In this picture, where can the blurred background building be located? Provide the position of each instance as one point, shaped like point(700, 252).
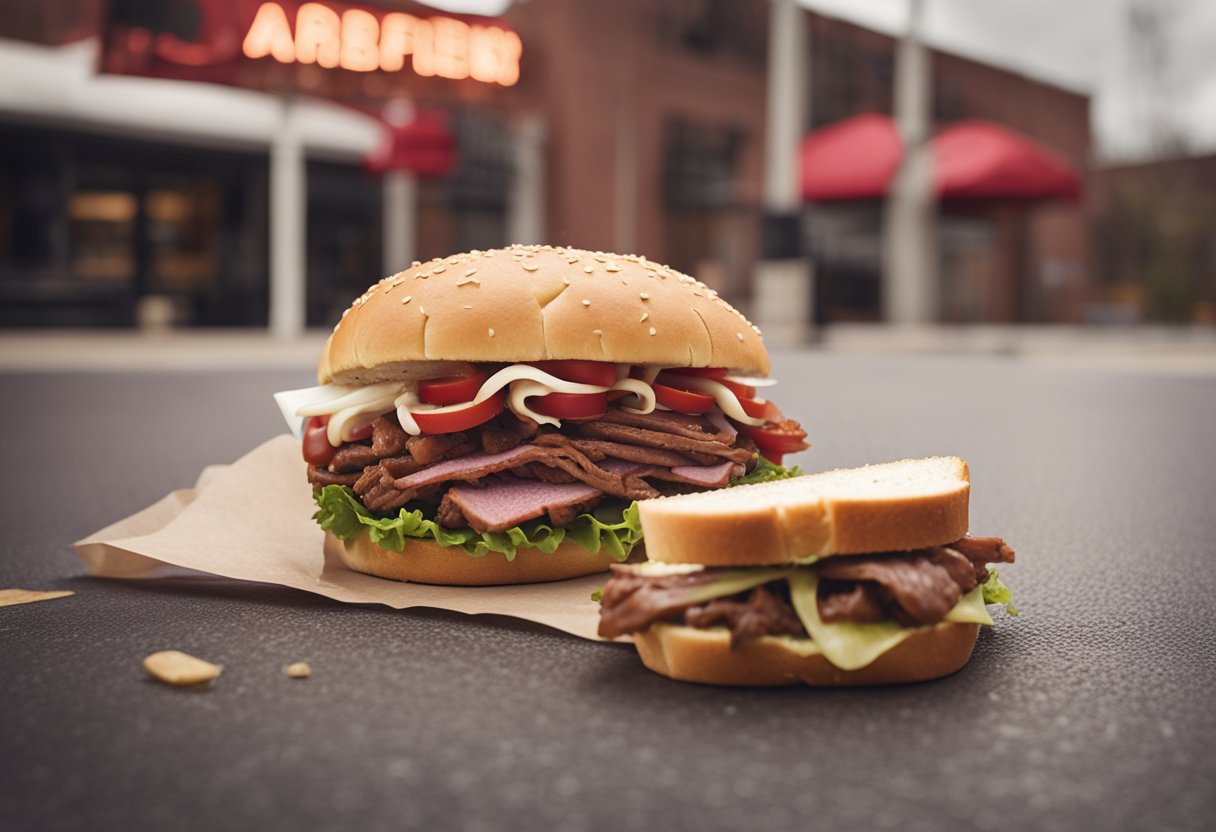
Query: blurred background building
point(238, 163)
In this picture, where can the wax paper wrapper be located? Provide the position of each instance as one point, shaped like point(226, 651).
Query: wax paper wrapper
point(220, 527)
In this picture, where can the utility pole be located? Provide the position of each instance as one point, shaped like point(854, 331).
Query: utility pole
point(910, 260)
point(783, 277)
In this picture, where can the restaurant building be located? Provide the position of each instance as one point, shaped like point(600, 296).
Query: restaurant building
point(174, 162)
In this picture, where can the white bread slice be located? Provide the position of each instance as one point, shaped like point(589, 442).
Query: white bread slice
point(897, 506)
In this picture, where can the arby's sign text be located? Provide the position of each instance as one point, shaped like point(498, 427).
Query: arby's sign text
point(360, 41)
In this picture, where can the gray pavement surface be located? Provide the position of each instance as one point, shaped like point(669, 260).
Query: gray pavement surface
point(1092, 710)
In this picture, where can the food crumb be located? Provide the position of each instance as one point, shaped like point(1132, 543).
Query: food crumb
point(10, 597)
point(176, 668)
point(298, 670)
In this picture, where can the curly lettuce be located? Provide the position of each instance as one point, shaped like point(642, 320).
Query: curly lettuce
point(340, 512)
point(995, 592)
point(766, 471)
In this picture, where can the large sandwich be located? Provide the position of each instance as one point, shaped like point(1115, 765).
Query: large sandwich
point(851, 577)
point(494, 417)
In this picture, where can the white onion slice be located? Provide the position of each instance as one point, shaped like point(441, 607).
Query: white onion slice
point(520, 392)
point(726, 399)
point(752, 382)
point(639, 388)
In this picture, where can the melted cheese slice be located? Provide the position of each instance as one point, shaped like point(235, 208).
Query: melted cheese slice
point(851, 645)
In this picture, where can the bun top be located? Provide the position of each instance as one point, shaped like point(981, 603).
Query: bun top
point(534, 303)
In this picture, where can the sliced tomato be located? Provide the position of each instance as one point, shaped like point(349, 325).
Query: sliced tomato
point(572, 406)
point(740, 390)
point(756, 408)
point(682, 401)
point(701, 372)
point(776, 439)
point(454, 421)
point(316, 447)
point(599, 373)
point(451, 389)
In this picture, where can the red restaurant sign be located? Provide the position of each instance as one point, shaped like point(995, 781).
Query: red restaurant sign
point(251, 43)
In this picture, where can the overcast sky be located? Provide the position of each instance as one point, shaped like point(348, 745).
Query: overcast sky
point(1086, 45)
point(1082, 44)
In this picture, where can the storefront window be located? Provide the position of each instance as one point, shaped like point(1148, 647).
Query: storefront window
point(468, 210)
point(90, 227)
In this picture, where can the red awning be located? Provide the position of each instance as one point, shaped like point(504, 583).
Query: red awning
point(980, 160)
point(856, 159)
point(851, 159)
point(424, 146)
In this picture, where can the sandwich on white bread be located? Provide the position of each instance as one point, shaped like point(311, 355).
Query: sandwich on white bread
point(853, 576)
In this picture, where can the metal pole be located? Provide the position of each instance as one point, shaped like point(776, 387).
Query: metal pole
point(288, 198)
point(526, 201)
point(783, 278)
point(400, 226)
point(910, 282)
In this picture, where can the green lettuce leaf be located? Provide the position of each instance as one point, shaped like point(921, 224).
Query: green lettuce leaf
point(340, 512)
point(766, 471)
point(995, 592)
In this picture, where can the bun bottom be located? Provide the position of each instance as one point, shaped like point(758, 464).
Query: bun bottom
point(425, 562)
point(705, 656)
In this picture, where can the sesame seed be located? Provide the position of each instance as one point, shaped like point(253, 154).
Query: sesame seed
point(566, 280)
point(613, 267)
point(440, 269)
point(645, 295)
point(739, 335)
point(406, 299)
point(645, 315)
point(653, 331)
point(466, 306)
point(415, 264)
point(586, 302)
point(464, 281)
point(470, 272)
point(597, 332)
point(530, 267)
point(422, 310)
point(601, 258)
point(491, 331)
point(588, 268)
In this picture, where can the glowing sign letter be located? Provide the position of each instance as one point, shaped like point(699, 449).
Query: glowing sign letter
point(451, 47)
point(424, 49)
point(270, 34)
point(318, 33)
point(396, 40)
point(512, 50)
point(360, 32)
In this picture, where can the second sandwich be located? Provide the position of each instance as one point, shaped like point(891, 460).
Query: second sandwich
point(850, 577)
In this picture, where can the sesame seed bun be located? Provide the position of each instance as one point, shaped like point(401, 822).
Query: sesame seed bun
point(534, 303)
point(425, 562)
point(706, 656)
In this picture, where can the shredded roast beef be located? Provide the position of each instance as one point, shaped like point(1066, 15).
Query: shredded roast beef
point(353, 457)
point(631, 457)
point(981, 551)
point(765, 612)
point(911, 587)
point(850, 601)
point(388, 437)
point(321, 477)
point(630, 435)
point(633, 602)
